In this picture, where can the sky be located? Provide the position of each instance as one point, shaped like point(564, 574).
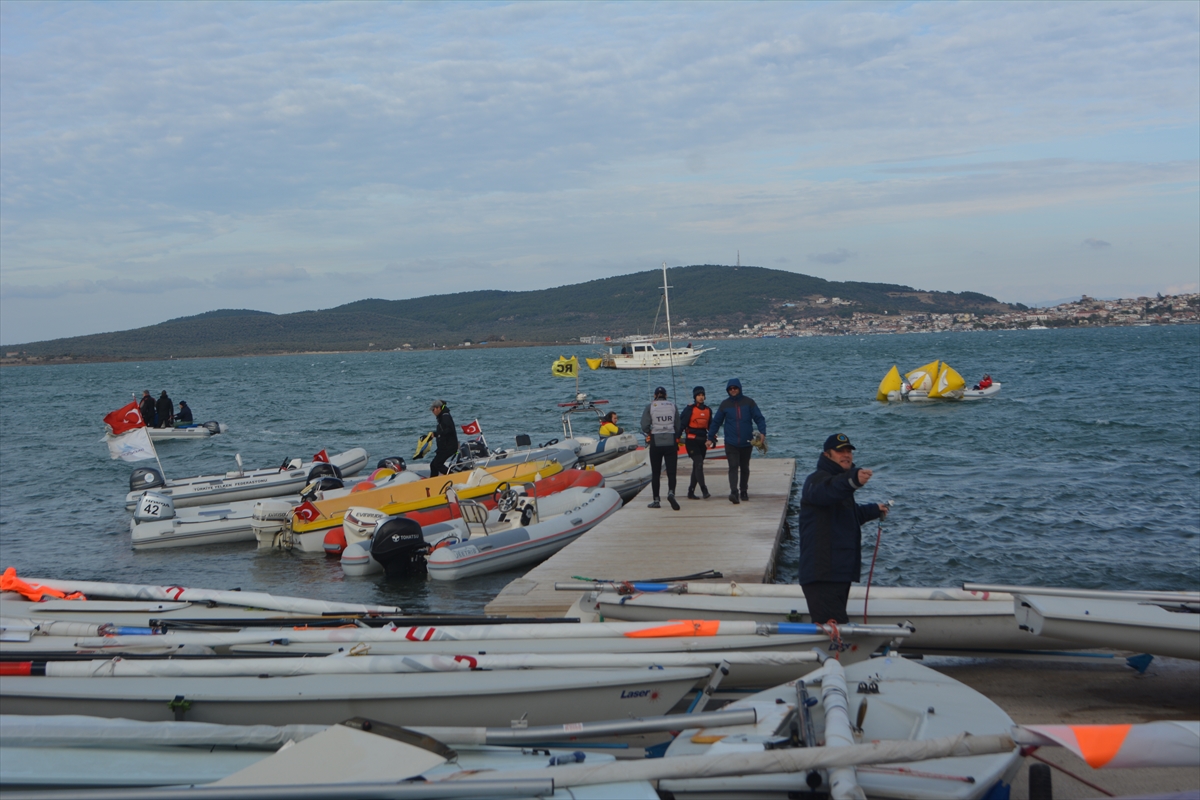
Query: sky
point(159, 160)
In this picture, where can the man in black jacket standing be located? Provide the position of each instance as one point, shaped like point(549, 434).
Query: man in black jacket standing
point(446, 437)
point(165, 410)
point(830, 530)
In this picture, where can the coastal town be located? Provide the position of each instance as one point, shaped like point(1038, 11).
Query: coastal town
point(797, 318)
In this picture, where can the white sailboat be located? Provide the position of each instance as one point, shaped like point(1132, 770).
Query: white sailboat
point(641, 353)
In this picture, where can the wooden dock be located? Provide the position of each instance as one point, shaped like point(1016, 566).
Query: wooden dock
point(639, 543)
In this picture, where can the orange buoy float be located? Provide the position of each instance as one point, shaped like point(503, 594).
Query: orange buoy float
point(335, 542)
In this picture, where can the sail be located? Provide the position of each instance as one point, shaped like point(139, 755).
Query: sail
point(948, 382)
point(890, 383)
point(921, 379)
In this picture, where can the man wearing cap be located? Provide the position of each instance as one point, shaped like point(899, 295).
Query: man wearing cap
point(661, 424)
point(694, 424)
point(446, 436)
point(739, 414)
point(830, 530)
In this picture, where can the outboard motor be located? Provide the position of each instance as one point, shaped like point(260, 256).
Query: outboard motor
point(395, 463)
point(358, 523)
point(321, 484)
point(271, 522)
point(399, 546)
point(153, 507)
point(145, 478)
point(324, 468)
point(213, 426)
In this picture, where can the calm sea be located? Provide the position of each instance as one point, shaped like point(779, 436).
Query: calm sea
point(1083, 472)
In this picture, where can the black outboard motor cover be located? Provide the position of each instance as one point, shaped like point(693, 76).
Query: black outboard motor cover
point(399, 546)
point(324, 468)
point(321, 484)
point(145, 478)
point(212, 425)
point(392, 462)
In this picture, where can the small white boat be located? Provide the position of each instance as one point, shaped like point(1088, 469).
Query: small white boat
point(156, 523)
point(487, 698)
point(627, 474)
point(1144, 627)
point(289, 478)
point(200, 430)
point(642, 354)
point(980, 394)
point(889, 699)
point(527, 533)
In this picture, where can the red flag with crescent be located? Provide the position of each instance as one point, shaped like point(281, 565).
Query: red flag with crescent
point(322, 456)
point(472, 428)
point(307, 512)
point(124, 419)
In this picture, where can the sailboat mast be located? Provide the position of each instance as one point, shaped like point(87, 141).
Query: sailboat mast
point(670, 340)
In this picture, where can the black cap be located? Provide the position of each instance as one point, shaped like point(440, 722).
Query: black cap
point(660, 391)
point(698, 391)
point(839, 441)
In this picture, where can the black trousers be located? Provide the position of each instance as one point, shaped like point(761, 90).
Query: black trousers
point(827, 601)
point(438, 465)
point(739, 467)
point(658, 457)
point(697, 451)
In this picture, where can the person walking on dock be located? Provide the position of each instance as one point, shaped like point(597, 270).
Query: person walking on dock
point(738, 414)
point(830, 528)
point(695, 438)
point(446, 437)
point(661, 424)
point(165, 410)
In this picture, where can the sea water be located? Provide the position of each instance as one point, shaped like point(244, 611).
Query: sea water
point(1084, 471)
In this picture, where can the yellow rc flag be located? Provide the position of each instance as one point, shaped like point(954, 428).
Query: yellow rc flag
point(565, 367)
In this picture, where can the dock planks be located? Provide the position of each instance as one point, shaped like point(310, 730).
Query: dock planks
point(639, 543)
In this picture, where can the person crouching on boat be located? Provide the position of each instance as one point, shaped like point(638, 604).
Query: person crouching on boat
point(830, 529)
point(984, 383)
point(446, 437)
point(661, 424)
point(609, 426)
point(695, 438)
point(184, 417)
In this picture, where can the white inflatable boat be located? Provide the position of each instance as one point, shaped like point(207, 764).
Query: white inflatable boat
point(242, 484)
point(156, 523)
point(201, 430)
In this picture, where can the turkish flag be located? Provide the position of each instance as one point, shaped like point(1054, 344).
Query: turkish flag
point(322, 456)
point(472, 428)
point(307, 512)
point(124, 419)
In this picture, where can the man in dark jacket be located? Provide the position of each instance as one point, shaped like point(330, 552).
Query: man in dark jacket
point(146, 406)
point(184, 417)
point(830, 530)
point(165, 410)
point(739, 414)
point(446, 437)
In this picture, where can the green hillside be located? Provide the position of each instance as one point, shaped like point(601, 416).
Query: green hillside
point(704, 296)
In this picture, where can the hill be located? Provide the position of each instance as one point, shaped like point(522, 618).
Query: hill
point(703, 296)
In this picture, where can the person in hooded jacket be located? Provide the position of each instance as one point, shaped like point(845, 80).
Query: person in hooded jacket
point(184, 417)
point(661, 425)
point(446, 437)
point(146, 406)
point(165, 410)
point(830, 528)
point(739, 415)
point(694, 424)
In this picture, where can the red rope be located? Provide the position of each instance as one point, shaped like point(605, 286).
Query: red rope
point(1028, 751)
point(871, 574)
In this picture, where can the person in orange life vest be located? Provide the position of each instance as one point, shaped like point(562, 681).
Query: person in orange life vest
point(609, 426)
point(661, 425)
point(695, 419)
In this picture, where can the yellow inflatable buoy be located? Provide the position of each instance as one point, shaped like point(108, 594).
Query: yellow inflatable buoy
point(423, 444)
point(890, 383)
point(594, 363)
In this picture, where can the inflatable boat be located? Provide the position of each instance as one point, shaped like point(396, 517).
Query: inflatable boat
point(201, 430)
point(627, 474)
point(156, 523)
point(243, 484)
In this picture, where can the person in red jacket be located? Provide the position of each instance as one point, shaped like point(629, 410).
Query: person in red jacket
point(695, 419)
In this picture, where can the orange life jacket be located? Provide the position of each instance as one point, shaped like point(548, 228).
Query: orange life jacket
point(698, 421)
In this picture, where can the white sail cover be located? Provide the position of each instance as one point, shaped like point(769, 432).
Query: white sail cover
point(340, 664)
point(84, 731)
point(1151, 744)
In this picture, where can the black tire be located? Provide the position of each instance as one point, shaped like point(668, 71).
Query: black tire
point(1040, 784)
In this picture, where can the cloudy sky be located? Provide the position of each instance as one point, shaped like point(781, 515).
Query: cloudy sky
point(159, 160)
